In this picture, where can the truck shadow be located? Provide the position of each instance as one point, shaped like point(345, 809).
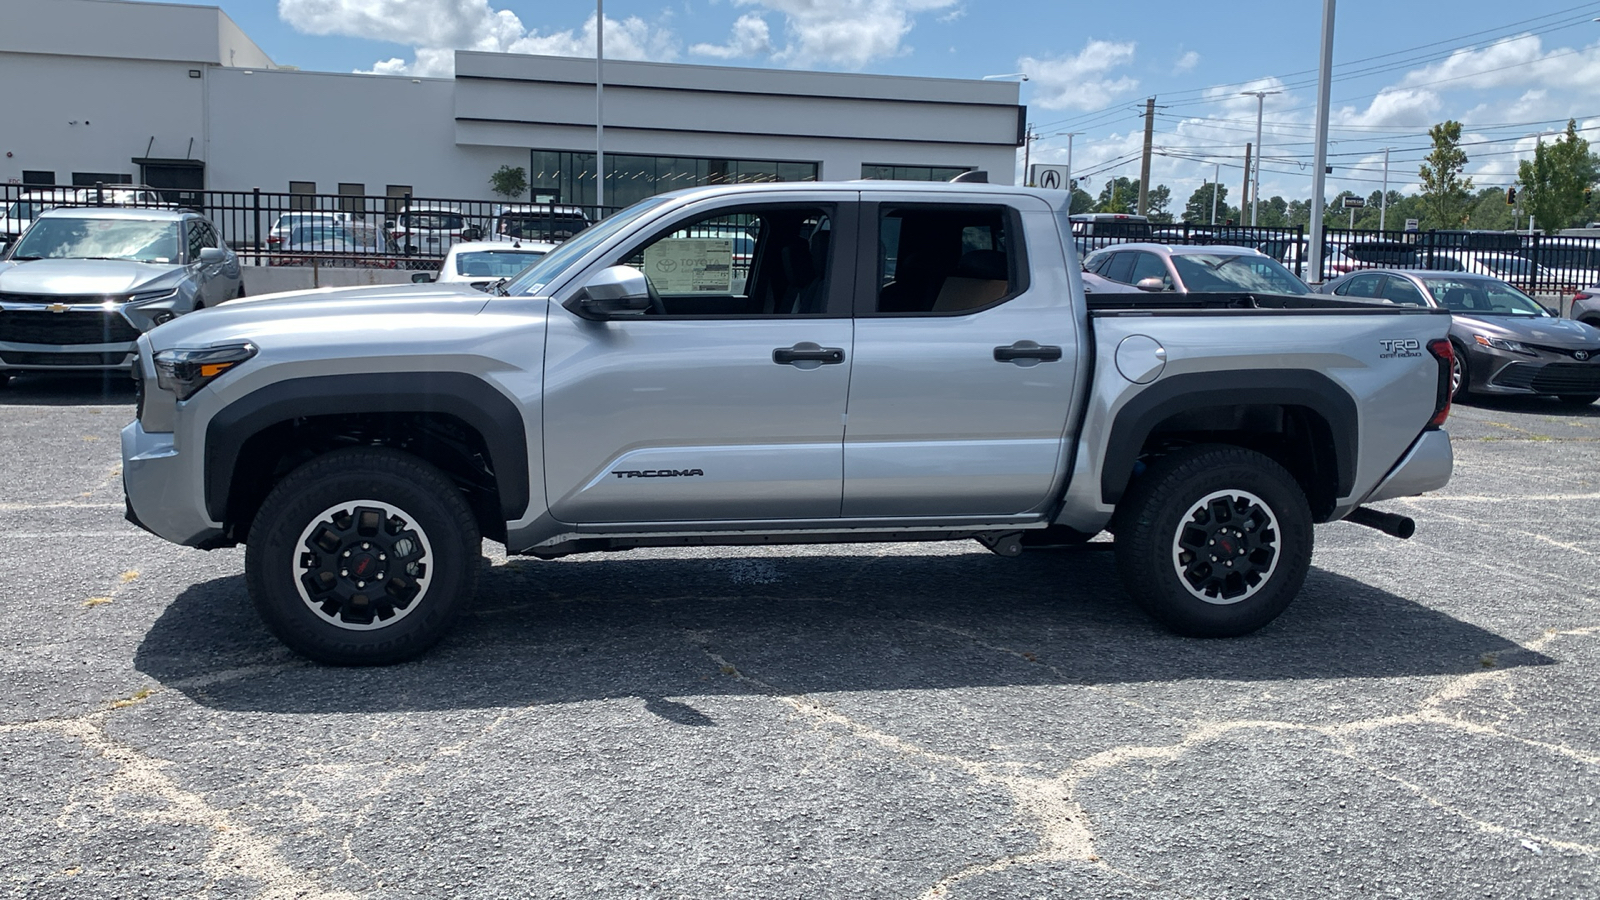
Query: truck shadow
point(1533, 405)
point(68, 389)
point(595, 628)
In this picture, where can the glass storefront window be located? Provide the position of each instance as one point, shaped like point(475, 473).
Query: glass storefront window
point(570, 176)
point(886, 172)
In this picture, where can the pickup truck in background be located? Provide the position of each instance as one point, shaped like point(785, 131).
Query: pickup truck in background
point(900, 362)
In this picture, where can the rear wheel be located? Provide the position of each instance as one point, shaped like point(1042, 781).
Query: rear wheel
point(1578, 399)
point(1214, 540)
point(362, 557)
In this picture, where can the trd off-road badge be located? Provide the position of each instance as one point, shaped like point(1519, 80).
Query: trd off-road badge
point(1401, 349)
point(656, 473)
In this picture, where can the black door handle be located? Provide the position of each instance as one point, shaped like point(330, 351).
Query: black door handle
point(808, 352)
point(1026, 350)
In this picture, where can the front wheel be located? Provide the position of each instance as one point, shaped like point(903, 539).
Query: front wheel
point(1214, 540)
point(1458, 374)
point(362, 557)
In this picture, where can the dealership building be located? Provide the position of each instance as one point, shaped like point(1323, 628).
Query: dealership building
point(179, 97)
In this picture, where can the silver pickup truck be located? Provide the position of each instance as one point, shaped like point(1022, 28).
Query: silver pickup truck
point(886, 362)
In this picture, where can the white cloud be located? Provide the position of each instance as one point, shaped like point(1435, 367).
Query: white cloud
point(1080, 82)
point(750, 37)
point(1186, 62)
point(848, 33)
point(437, 28)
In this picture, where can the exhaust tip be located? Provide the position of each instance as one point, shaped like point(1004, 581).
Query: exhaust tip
point(1402, 527)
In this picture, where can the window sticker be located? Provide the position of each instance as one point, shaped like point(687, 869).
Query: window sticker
point(690, 265)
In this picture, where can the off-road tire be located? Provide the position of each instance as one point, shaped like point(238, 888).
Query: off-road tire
point(1253, 512)
point(347, 508)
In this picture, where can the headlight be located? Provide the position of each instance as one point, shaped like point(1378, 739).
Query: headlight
point(146, 296)
point(184, 371)
point(1503, 344)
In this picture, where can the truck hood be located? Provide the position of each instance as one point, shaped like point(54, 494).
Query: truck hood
point(335, 312)
point(1547, 332)
point(87, 276)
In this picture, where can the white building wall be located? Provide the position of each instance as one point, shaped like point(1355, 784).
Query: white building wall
point(82, 114)
point(269, 128)
point(121, 30)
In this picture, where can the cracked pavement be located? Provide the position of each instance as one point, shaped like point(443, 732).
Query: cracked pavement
point(916, 721)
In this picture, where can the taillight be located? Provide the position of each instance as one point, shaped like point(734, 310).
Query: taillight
point(1582, 295)
point(274, 240)
point(1445, 353)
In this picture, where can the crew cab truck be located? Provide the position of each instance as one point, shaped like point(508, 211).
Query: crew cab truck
point(901, 362)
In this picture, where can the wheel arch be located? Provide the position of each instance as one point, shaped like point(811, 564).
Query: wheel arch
point(446, 418)
point(1300, 418)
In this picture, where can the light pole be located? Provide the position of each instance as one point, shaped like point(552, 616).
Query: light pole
point(599, 105)
point(1255, 186)
point(1070, 135)
point(1319, 181)
point(1216, 188)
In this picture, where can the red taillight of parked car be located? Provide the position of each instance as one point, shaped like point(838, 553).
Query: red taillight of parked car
point(1445, 353)
point(1582, 295)
point(274, 241)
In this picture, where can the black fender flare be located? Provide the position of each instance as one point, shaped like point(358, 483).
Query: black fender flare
point(1200, 390)
point(471, 399)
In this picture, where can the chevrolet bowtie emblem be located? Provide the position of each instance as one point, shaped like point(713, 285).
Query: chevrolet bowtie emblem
point(58, 307)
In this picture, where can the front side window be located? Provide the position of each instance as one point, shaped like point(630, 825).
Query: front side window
point(754, 261)
point(563, 257)
point(946, 259)
point(64, 238)
point(1149, 265)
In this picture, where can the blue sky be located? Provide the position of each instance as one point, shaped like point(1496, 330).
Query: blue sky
point(1509, 71)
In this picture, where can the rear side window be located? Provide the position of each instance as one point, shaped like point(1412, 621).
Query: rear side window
point(947, 259)
point(1361, 287)
point(1120, 268)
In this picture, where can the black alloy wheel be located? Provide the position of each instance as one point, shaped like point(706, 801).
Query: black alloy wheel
point(362, 557)
point(1214, 540)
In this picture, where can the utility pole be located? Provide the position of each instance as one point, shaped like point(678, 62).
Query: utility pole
point(1027, 153)
point(1216, 188)
point(1244, 196)
point(1144, 167)
point(1319, 174)
point(1255, 193)
point(1070, 135)
point(1383, 199)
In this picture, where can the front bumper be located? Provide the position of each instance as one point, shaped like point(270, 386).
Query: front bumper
point(163, 489)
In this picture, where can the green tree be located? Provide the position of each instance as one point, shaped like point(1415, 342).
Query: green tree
point(509, 182)
point(1198, 209)
point(1082, 202)
point(1446, 196)
point(1553, 182)
point(1490, 211)
point(1158, 203)
point(1273, 213)
point(1119, 196)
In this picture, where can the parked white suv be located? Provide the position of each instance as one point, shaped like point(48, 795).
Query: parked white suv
point(430, 229)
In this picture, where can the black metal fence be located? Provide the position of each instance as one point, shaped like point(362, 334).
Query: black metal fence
point(272, 228)
point(1544, 265)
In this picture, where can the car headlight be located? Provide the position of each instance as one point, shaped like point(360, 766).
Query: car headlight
point(147, 296)
point(1503, 344)
point(183, 371)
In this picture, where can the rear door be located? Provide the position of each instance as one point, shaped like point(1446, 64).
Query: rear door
point(965, 358)
point(727, 401)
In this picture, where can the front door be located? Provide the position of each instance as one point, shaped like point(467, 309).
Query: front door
point(965, 361)
point(725, 401)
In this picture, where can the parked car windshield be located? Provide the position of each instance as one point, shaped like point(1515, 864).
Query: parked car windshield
point(1483, 297)
point(495, 263)
point(144, 241)
point(432, 221)
point(1510, 266)
point(1205, 273)
point(25, 210)
point(560, 259)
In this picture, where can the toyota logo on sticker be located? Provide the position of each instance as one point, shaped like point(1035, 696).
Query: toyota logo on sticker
point(1581, 355)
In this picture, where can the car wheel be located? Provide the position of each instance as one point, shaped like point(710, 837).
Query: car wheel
point(1214, 540)
point(362, 557)
point(1459, 373)
point(1578, 399)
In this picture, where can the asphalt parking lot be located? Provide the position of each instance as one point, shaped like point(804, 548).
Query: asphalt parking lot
point(908, 721)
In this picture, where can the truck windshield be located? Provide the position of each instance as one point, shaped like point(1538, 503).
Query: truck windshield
point(1208, 273)
point(560, 259)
